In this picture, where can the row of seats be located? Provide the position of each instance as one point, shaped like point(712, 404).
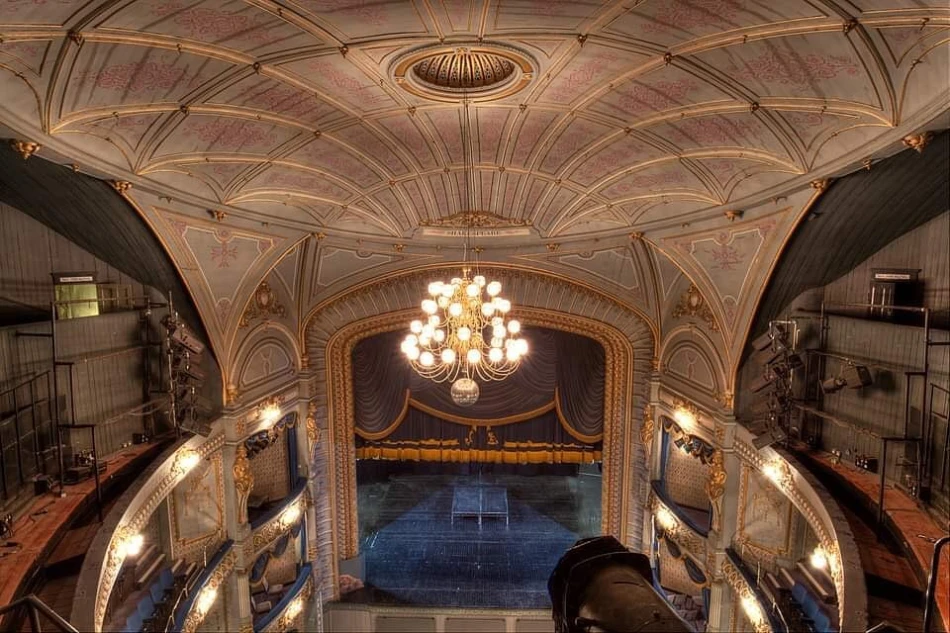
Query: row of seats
point(801, 598)
point(157, 601)
point(150, 606)
point(815, 616)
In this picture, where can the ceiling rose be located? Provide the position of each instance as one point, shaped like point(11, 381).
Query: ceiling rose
point(479, 71)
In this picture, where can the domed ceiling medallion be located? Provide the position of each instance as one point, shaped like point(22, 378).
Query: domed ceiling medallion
point(481, 71)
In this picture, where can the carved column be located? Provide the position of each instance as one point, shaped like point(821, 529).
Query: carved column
point(720, 607)
point(729, 465)
point(238, 483)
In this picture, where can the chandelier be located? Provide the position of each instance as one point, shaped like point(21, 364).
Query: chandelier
point(464, 334)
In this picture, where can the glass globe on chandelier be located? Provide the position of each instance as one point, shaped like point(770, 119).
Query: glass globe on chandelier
point(464, 333)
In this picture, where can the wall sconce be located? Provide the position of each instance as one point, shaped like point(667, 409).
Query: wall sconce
point(686, 415)
point(189, 459)
point(206, 600)
point(665, 518)
point(294, 609)
point(777, 472)
point(752, 610)
point(129, 543)
point(270, 411)
point(290, 515)
point(818, 558)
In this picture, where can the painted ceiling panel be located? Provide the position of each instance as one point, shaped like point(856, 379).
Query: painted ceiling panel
point(670, 23)
point(356, 19)
point(823, 66)
point(662, 89)
point(270, 96)
point(595, 97)
point(560, 15)
point(228, 23)
point(219, 135)
point(104, 75)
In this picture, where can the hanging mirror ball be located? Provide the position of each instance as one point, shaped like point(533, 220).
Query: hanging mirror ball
point(465, 392)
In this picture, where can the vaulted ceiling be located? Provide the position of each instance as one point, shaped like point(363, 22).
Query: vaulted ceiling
point(310, 117)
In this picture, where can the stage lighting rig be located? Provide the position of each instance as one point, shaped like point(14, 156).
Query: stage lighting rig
point(599, 585)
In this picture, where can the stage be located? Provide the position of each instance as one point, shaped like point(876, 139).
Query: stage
point(470, 541)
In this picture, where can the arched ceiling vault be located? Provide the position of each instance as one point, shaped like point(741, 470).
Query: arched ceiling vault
point(296, 117)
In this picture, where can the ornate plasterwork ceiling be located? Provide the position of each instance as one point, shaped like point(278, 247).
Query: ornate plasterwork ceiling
point(626, 114)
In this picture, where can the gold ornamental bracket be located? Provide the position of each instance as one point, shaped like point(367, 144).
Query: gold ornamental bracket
point(25, 148)
point(476, 224)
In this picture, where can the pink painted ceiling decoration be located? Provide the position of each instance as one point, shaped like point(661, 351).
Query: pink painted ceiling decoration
point(633, 116)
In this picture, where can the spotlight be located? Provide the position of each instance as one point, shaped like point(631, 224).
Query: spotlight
point(832, 385)
point(856, 376)
point(600, 585)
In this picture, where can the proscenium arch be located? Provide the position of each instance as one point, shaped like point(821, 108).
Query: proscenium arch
point(540, 300)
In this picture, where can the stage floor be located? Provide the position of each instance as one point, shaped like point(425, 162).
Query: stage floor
point(422, 557)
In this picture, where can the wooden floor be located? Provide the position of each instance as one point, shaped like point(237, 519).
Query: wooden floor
point(40, 529)
point(910, 520)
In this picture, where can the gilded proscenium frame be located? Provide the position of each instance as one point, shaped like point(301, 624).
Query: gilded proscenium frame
point(618, 413)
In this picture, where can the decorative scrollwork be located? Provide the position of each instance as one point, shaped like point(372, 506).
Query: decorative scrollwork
point(476, 220)
point(647, 428)
point(25, 148)
point(243, 481)
point(715, 487)
point(693, 305)
point(265, 303)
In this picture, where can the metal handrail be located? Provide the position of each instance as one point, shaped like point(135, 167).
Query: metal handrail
point(35, 607)
point(932, 580)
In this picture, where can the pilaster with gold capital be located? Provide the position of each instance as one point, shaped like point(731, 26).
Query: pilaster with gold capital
point(720, 606)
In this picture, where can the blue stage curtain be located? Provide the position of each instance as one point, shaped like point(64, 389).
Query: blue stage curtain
point(562, 368)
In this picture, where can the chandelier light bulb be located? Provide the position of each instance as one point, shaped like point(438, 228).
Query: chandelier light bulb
point(818, 558)
point(464, 335)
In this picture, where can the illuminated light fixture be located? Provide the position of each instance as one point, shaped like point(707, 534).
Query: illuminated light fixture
point(685, 415)
point(775, 472)
point(270, 412)
point(294, 609)
point(752, 610)
point(818, 558)
point(206, 600)
point(665, 518)
point(189, 459)
point(130, 544)
point(464, 334)
point(290, 515)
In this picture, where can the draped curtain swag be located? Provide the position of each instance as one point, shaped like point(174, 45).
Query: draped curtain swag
point(549, 411)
